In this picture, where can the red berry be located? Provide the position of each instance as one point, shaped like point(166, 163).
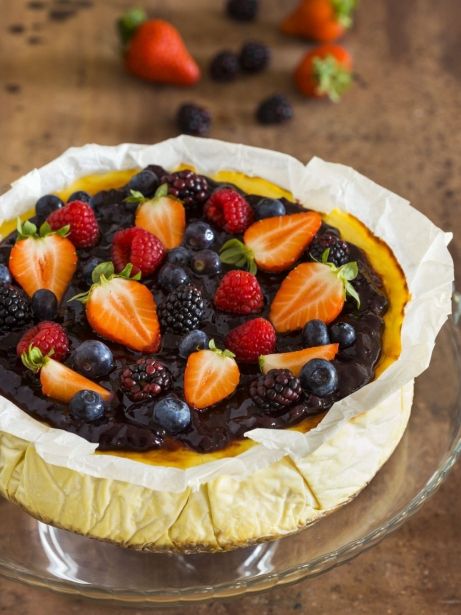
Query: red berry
point(229, 211)
point(239, 293)
point(84, 229)
point(138, 247)
point(46, 336)
point(251, 340)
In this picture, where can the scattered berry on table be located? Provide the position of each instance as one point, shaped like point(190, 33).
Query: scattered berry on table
point(315, 333)
point(93, 359)
point(343, 333)
point(5, 275)
point(319, 377)
point(338, 249)
point(171, 276)
point(190, 188)
point(206, 262)
point(325, 71)
point(87, 406)
point(276, 390)
point(15, 310)
point(194, 120)
point(229, 210)
point(46, 205)
point(319, 20)
point(146, 182)
point(193, 341)
point(251, 339)
point(254, 57)
point(182, 310)
point(242, 10)
point(44, 304)
point(224, 66)
point(80, 195)
point(145, 379)
point(84, 229)
point(140, 248)
point(239, 292)
point(178, 256)
point(48, 337)
point(88, 268)
point(269, 208)
point(172, 414)
point(274, 110)
point(199, 235)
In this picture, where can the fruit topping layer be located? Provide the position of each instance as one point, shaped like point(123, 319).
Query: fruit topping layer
point(177, 311)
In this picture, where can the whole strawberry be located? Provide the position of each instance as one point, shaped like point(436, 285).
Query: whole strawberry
point(228, 210)
point(251, 339)
point(239, 292)
point(84, 229)
point(138, 247)
point(48, 337)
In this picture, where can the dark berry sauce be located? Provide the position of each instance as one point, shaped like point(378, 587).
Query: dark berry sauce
point(128, 426)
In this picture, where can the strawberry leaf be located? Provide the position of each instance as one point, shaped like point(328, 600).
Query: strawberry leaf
point(236, 253)
point(222, 353)
point(105, 270)
point(34, 359)
point(161, 191)
point(332, 78)
point(135, 197)
point(26, 229)
point(343, 10)
point(349, 271)
point(351, 292)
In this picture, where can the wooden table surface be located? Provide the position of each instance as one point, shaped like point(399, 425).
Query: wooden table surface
point(62, 84)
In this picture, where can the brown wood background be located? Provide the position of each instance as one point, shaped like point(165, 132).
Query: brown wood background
point(62, 84)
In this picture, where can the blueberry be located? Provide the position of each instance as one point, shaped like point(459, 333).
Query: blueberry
point(195, 340)
point(170, 276)
point(145, 181)
point(343, 333)
point(198, 235)
point(93, 359)
point(268, 208)
point(46, 205)
point(88, 268)
point(206, 262)
point(178, 256)
point(86, 406)
point(319, 377)
point(44, 304)
point(5, 275)
point(80, 195)
point(172, 414)
point(315, 333)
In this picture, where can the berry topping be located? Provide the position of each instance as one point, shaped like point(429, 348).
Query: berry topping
point(343, 333)
point(146, 182)
point(224, 66)
point(324, 71)
point(178, 256)
point(88, 268)
point(190, 188)
point(193, 120)
point(210, 376)
point(319, 377)
point(295, 360)
point(138, 247)
point(338, 250)
point(171, 276)
point(49, 337)
point(172, 414)
point(79, 195)
point(274, 110)
point(254, 57)
point(44, 304)
point(84, 229)
point(276, 390)
point(15, 311)
point(46, 205)
point(182, 310)
point(87, 406)
point(251, 339)
point(5, 275)
point(229, 211)
point(269, 208)
point(239, 292)
point(195, 340)
point(206, 262)
point(145, 379)
point(93, 359)
point(242, 10)
point(199, 235)
point(315, 333)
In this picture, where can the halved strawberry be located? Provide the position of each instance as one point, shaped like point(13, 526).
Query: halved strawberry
point(294, 361)
point(310, 291)
point(210, 376)
point(273, 244)
point(43, 259)
point(121, 309)
point(57, 380)
point(164, 216)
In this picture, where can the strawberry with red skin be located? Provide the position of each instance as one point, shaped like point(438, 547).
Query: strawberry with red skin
point(251, 339)
point(138, 247)
point(229, 211)
point(320, 20)
point(325, 71)
point(78, 215)
point(296, 359)
point(49, 337)
point(239, 292)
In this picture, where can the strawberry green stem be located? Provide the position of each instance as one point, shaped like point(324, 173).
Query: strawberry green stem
point(222, 353)
point(346, 273)
point(332, 78)
point(236, 253)
point(34, 359)
point(27, 230)
point(343, 10)
point(128, 23)
point(103, 274)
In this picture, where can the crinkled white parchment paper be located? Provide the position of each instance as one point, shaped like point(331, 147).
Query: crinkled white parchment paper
point(320, 185)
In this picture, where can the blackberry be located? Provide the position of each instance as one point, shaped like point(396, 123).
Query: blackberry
point(274, 110)
point(193, 120)
point(15, 310)
point(339, 250)
point(182, 310)
point(254, 57)
point(242, 10)
point(192, 189)
point(276, 390)
point(224, 66)
point(145, 379)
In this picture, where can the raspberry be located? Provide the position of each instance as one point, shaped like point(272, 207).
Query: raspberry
point(224, 66)
point(145, 379)
point(190, 188)
point(239, 293)
point(229, 211)
point(182, 310)
point(252, 339)
point(339, 250)
point(254, 57)
point(138, 247)
point(15, 309)
point(84, 229)
point(274, 110)
point(242, 10)
point(47, 336)
point(193, 120)
point(276, 390)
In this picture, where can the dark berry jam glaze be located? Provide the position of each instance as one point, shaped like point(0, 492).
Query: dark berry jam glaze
point(129, 426)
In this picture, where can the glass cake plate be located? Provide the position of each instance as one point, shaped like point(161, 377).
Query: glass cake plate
point(43, 556)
